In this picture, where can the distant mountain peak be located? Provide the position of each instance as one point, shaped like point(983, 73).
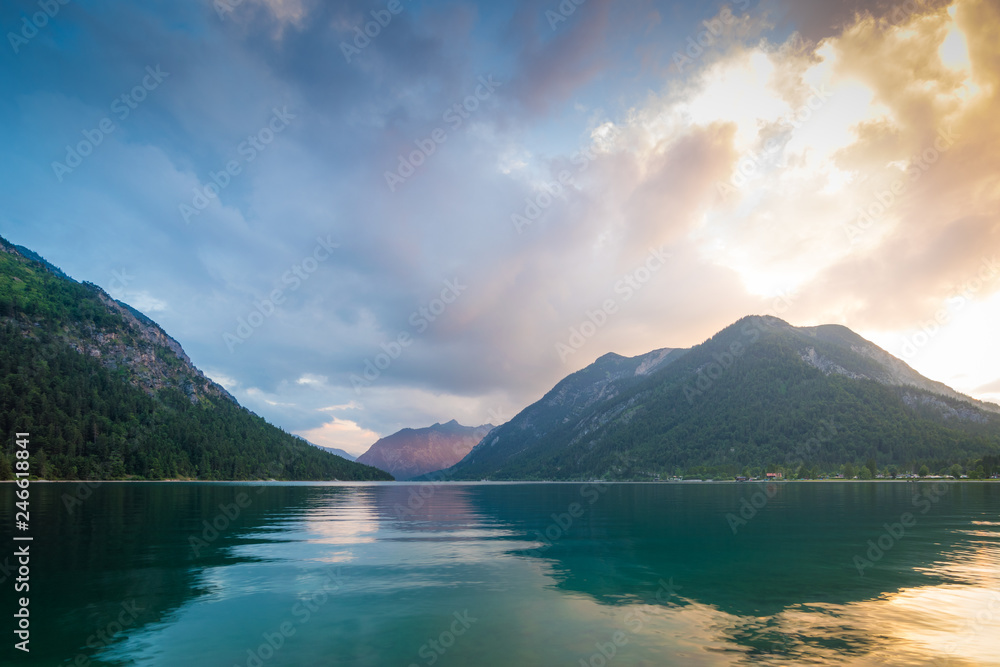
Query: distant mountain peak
point(410, 452)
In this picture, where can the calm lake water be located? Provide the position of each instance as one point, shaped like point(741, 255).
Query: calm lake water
point(511, 574)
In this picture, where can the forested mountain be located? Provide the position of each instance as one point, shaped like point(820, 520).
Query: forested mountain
point(759, 395)
point(106, 394)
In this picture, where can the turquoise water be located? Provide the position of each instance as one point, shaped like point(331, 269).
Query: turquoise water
point(511, 574)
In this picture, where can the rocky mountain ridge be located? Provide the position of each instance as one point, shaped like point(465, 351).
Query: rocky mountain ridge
point(107, 394)
point(748, 396)
point(410, 452)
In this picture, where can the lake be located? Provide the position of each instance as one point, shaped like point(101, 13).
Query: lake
point(486, 574)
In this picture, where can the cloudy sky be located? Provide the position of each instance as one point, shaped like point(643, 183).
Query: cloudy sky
point(443, 217)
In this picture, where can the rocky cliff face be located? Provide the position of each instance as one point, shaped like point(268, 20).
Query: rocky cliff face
point(883, 367)
point(412, 452)
point(132, 343)
point(143, 354)
point(601, 382)
point(109, 395)
point(748, 396)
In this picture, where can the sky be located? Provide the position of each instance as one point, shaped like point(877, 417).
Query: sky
point(362, 216)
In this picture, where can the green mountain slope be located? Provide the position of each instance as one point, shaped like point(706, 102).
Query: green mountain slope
point(106, 394)
point(759, 394)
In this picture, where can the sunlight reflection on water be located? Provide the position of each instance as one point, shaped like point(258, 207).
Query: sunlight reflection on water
point(782, 591)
